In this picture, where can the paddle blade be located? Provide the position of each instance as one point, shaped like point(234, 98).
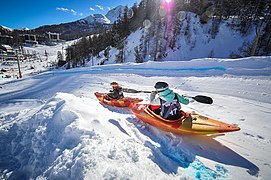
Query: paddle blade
point(203, 99)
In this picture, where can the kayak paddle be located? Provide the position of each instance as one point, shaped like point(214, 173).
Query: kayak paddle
point(198, 98)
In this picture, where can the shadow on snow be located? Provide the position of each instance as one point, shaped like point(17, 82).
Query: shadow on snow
point(180, 151)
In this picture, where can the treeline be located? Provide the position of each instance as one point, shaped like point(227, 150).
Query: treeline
point(158, 33)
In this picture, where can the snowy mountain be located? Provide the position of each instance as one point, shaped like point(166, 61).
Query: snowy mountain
point(72, 30)
point(96, 18)
point(90, 24)
point(24, 29)
point(112, 16)
point(3, 28)
point(115, 14)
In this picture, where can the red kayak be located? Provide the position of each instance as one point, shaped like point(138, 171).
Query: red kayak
point(123, 102)
point(201, 125)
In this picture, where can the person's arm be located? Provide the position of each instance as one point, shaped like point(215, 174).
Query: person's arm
point(153, 100)
point(183, 100)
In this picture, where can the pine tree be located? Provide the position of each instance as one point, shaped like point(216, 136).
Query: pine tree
point(125, 23)
point(60, 59)
point(215, 27)
point(106, 53)
point(59, 56)
point(46, 55)
point(157, 41)
point(85, 50)
point(176, 29)
point(143, 46)
point(138, 55)
point(264, 44)
point(136, 17)
point(119, 56)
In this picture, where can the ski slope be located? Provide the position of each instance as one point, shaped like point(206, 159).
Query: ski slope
point(53, 127)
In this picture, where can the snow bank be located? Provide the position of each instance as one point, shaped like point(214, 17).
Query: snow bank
point(67, 139)
point(251, 66)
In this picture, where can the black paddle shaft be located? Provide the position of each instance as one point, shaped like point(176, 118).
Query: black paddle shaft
point(134, 91)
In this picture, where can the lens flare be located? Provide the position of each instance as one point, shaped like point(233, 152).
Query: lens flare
point(130, 13)
point(147, 24)
point(168, 4)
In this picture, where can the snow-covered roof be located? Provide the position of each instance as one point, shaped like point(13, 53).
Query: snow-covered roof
point(6, 47)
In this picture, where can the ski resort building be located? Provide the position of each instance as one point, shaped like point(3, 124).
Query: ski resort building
point(29, 39)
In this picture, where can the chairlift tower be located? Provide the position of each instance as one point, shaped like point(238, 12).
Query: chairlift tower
point(19, 68)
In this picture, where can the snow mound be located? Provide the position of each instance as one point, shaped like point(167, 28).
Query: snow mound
point(67, 139)
point(36, 145)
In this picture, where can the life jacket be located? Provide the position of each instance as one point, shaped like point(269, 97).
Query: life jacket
point(170, 110)
point(118, 90)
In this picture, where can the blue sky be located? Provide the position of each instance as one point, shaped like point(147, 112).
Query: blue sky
point(35, 13)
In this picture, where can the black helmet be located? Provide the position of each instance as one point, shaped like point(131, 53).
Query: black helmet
point(161, 86)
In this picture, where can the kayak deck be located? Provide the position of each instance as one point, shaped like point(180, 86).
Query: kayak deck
point(123, 102)
point(201, 125)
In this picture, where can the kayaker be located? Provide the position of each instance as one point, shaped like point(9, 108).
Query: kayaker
point(170, 103)
point(116, 92)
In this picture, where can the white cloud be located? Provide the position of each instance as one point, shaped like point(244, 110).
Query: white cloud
point(100, 7)
point(73, 12)
point(108, 8)
point(92, 9)
point(62, 9)
point(69, 10)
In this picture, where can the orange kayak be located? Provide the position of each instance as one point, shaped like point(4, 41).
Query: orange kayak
point(201, 125)
point(123, 102)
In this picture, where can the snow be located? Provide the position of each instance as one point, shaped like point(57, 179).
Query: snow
point(91, 19)
point(8, 29)
point(194, 43)
point(53, 127)
point(115, 14)
point(226, 41)
point(112, 16)
point(32, 66)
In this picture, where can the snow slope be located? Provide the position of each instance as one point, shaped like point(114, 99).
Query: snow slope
point(194, 41)
point(53, 127)
point(199, 42)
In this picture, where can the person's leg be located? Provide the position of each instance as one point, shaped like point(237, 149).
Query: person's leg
point(187, 122)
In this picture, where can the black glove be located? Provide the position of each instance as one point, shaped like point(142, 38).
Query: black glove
point(154, 93)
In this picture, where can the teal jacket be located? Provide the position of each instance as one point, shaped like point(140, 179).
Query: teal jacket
point(168, 95)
